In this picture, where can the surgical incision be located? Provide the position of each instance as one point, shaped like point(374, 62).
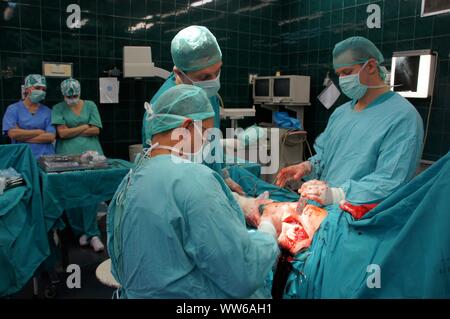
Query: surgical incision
point(298, 228)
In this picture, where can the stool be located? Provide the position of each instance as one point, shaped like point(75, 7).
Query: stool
point(104, 275)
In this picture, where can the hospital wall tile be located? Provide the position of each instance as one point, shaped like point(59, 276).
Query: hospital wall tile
point(11, 90)
point(53, 92)
point(10, 39)
point(423, 27)
point(88, 46)
point(51, 42)
point(31, 41)
point(407, 8)
point(137, 8)
point(89, 23)
point(91, 5)
point(422, 43)
point(391, 11)
point(402, 29)
point(295, 37)
point(11, 63)
point(405, 28)
point(50, 3)
point(30, 17)
point(32, 63)
point(52, 19)
point(105, 7)
point(122, 7)
point(348, 3)
point(390, 30)
point(441, 25)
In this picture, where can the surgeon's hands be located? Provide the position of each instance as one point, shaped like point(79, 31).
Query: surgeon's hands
point(320, 192)
point(294, 172)
point(316, 190)
point(235, 187)
point(250, 207)
point(273, 216)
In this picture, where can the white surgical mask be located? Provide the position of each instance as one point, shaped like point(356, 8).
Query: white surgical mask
point(211, 87)
point(195, 157)
point(73, 101)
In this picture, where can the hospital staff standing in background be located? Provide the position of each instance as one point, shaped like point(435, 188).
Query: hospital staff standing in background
point(174, 227)
point(371, 145)
point(29, 121)
point(78, 124)
point(197, 60)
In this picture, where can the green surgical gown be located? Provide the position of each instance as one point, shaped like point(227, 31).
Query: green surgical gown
point(83, 219)
point(63, 115)
point(372, 153)
point(175, 231)
point(403, 245)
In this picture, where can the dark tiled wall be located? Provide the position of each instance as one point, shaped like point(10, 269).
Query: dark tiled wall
point(256, 36)
point(248, 33)
point(310, 28)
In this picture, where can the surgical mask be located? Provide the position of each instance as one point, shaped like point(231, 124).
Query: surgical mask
point(211, 87)
point(37, 95)
point(73, 101)
point(198, 156)
point(352, 86)
point(195, 157)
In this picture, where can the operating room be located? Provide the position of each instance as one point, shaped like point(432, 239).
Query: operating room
point(225, 149)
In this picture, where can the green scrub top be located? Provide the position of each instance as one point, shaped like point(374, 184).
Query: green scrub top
point(370, 154)
point(176, 231)
point(63, 115)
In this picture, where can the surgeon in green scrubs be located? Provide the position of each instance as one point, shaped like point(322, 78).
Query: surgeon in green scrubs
point(372, 144)
point(78, 125)
point(197, 60)
point(174, 228)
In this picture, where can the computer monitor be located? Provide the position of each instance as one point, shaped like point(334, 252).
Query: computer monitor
point(262, 89)
point(281, 87)
point(291, 89)
point(413, 72)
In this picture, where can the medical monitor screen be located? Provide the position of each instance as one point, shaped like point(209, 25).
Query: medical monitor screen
point(262, 87)
point(406, 73)
point(432, 7)
point(281, 87)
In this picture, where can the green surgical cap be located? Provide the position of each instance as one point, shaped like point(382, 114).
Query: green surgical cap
point(355, 50)
point(195, 48)
point(175, 105)
point(35, 80)
point(70, 87)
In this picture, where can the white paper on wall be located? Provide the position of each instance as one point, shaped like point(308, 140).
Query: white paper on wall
point(109, 90)
point(329, 95)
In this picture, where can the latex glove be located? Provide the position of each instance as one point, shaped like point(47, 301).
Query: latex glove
point(320, 192)
point(273, 217)
point(250, 207)
point(235, 187)
point(294, 172)
point(357, 211)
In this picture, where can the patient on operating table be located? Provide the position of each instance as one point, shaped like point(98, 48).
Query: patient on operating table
point(298, 226)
